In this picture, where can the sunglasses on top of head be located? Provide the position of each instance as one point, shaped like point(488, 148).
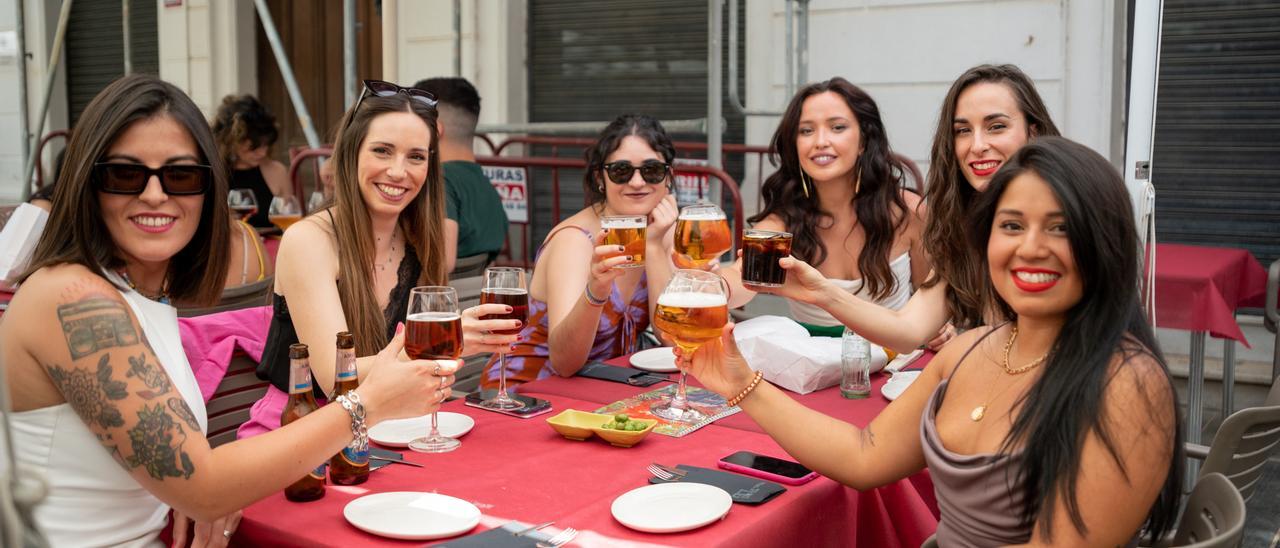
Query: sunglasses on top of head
point(379, 88)
point(652, 171)
point(175, 179)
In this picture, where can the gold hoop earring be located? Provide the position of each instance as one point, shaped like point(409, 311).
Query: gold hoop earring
point(804, 184)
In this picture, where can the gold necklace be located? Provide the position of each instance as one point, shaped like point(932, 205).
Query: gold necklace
point(162, 297)
point(981, 411)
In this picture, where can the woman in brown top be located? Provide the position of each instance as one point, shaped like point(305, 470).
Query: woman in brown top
point(1058, 425)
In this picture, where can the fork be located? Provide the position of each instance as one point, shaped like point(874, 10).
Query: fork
point(665, 473)
point(560, 539)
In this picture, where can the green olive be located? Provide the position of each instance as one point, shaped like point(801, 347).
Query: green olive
point(620, 417)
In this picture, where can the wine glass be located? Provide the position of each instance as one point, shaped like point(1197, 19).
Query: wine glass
point(433, 331)
point(691, 310)
point(505, 285)
point(242, 202)
point(702, 234)
point(284, 211)
point(316, 202)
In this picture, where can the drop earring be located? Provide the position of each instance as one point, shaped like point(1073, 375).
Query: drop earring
point(804, 184)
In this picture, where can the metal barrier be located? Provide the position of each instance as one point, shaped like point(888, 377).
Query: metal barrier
point(65, 134)
point(296, 158)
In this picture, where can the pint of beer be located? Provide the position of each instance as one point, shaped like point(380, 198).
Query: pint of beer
point(628, 232)
point(691, 318)
point(761, 250)
point(702, 234)
point(433, 335)
point(300, 404)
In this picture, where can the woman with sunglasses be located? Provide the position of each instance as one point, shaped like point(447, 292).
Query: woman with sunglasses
point(584, 304)
point(106, 407)
point(350, 267)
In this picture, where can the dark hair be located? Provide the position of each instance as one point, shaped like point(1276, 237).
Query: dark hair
point(880, 207)
point(453, 91)
point(76, 233)
point(1066, 403)
point(950, 195)
point(243, 118)
point(639, 125)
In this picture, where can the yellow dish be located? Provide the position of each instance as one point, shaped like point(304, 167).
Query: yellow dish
point(580, 425)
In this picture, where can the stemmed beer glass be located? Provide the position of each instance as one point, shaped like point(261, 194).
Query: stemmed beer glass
point(433, 331)
point(505, 285)
point(242, 203)
point(692, 310)
point(702, 234)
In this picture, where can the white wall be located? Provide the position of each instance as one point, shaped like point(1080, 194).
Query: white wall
point(208, 49)
point(41, 23)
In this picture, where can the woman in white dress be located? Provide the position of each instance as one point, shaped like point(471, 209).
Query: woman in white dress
point(105, 404)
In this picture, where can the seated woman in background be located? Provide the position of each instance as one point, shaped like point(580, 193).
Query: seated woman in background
point(988, 114)
point(583, 304)
point(1057, 425)
point(350, 267)
point(110, 413)
point(838, 191)
point(246, 131)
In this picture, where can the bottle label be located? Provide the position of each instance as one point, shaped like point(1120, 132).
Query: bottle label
point(319, 472)
point(346, 375)
point(355, 457)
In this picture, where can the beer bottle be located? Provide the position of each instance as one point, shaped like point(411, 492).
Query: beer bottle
point(351, 465)
point(301, 402)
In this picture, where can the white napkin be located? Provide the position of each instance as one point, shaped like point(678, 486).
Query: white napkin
point(789, 357)
point(18, 239)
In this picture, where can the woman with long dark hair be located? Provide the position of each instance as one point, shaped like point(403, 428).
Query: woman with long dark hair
point(1056, 424)
point(989, 113)
point(838, 191)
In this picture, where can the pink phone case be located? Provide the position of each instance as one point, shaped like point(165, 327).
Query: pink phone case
point(766, 475)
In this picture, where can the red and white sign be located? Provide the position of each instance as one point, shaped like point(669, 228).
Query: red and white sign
point(690, 188)
point(512, 184)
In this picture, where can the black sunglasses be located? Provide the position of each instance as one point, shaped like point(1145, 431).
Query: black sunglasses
point(176, 180)
point(652, 171)
point(380, 88)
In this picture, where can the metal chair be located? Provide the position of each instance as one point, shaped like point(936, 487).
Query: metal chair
point(467, 267)
point(244, 296)
point(1242, 444)
point(1271, 317)
point(1214, 516)
point(229, 407)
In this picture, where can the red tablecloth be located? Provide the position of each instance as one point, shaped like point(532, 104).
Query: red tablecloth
point(1200, 288)
point(518, 469)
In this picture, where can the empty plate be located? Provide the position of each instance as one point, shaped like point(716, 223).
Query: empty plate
point(671, 507)
point(412, 515)
point(399, 432)
point(658, 360)
point(898, 384)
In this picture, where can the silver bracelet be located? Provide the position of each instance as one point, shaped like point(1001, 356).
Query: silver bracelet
point(351, 402)
point(591, 299)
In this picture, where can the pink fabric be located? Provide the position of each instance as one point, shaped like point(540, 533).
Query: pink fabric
point(523, 470)
point(211, 340)
point(264, 416)
point(1200, 288)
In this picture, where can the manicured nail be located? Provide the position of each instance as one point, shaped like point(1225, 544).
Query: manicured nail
point(604, 230)
point(621, 249)
point(512, 349)
point(399, 328)
point(518, 324)
point(509, 309)
point(630, 258)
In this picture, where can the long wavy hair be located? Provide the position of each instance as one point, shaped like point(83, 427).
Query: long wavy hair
point(950, 195)
point(879, 206)
point(645, 127)
point(243, 118)
point(421, 222)
point(1065, 404)
point(76, 233)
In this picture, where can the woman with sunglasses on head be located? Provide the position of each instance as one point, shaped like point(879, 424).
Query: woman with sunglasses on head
point(350, 267)
point(584, 303)
point(988, 114)
point(1055, 424)
point(106, 407)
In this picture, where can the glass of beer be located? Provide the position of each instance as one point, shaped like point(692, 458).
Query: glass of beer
point(505, 285)
point(433, 331)
point(284, 211)
point(242, 203)
point(628, 232)
point(702, 235)
point(691, 310)
point(761, 250)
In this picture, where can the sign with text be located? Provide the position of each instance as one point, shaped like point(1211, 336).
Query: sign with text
point(512, 184)
point(690, 187)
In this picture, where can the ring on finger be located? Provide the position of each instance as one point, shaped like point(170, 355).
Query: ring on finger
point(437, 373)
point(227, 533)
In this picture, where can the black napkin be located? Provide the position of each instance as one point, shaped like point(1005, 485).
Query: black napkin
point(625, 375)
point(743, 489)
point(501, 537)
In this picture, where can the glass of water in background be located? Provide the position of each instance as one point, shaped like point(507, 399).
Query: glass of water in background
point(855, 366)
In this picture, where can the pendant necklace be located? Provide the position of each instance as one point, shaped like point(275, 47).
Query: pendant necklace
point(162, 297)
point(390, 254)
point(981, 411)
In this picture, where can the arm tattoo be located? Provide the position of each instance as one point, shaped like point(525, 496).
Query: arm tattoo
point(867, 438)
point(95, 323)
point(183, 411)
point(154, 377)
point(157, 444)
point(91, 394)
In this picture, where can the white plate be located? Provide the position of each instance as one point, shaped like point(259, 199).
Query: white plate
point(898, 384)
point(399, 432)
point(412, 515)
point(671, 507)
point(658, 360)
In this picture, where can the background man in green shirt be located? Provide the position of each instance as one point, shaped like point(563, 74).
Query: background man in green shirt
point(476, 222)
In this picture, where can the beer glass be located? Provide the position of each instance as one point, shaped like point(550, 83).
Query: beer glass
point(284, 211)
point(628, 232)
point(691, 310)
point(433, 331)
point(316, 202)
point(505, 285)
point(761, 250)
point(702, 234)
point(242, 203)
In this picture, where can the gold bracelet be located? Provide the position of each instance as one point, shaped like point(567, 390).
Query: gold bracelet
point(746, 391)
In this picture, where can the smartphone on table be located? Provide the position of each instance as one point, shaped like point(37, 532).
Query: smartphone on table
point(532, 406)
point(770, 468)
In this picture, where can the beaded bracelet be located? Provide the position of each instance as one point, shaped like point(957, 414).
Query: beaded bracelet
point(591, 299)
point(351, 402)
point(746, 391)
